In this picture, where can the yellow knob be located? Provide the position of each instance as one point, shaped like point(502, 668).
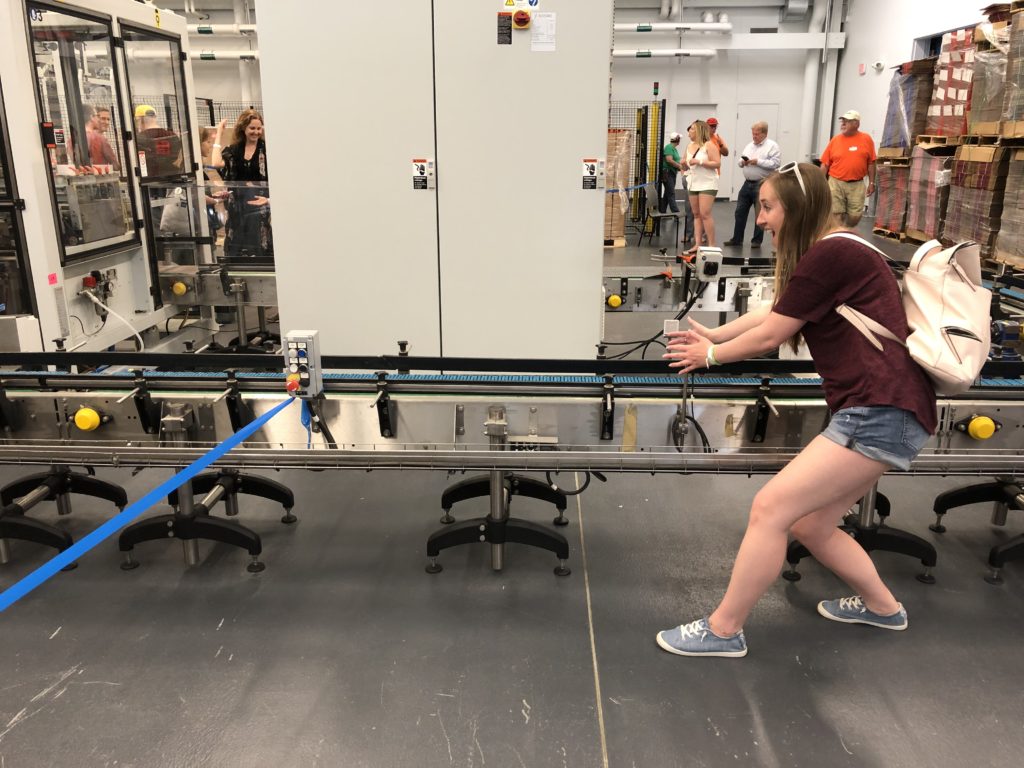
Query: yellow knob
point(981, 428)
point(179, 288)
point(86, 419)
point(615, 301)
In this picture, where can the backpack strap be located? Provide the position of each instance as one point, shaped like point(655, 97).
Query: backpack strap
point(856, 239)
point(870, 329)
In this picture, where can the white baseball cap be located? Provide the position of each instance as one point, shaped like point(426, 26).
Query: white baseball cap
point(675, 136)
point(850, 114)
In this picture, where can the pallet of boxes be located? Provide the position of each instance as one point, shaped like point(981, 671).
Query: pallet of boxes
point(931, 166)
point(617, 170)
point(1009, 244)
point(910, 93)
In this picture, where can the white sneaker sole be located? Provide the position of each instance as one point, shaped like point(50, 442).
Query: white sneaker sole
point(721, 654)
point(832, 617)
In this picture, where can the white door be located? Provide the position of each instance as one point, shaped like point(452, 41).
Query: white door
point(746, 116)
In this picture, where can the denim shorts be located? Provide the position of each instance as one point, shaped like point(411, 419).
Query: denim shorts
point(880, 432)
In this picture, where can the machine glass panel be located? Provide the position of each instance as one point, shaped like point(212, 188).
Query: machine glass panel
point(78, 98)
point(13, 281)
point(14, 294)
point(157, 90)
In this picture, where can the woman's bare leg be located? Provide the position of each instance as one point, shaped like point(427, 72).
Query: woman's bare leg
point(824, 476)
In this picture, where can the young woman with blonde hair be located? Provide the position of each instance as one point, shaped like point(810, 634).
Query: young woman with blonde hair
point(703, 160)
point(882, 411)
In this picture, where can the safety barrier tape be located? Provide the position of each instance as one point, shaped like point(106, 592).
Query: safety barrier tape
point(21, 588)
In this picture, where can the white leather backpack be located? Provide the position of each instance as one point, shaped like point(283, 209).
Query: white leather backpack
point(948, 311)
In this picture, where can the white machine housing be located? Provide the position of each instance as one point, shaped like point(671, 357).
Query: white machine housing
point(502, 256)
point(56, 287)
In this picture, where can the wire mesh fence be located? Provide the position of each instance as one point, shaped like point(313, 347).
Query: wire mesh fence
point(644, 123)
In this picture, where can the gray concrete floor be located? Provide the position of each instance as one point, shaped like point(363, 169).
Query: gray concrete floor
point(344, 652)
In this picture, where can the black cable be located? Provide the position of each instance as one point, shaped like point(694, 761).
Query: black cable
point(314, 406)
point(89, 335)
point(643, 342)
point(581, 489)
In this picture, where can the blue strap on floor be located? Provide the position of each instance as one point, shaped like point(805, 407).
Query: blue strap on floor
point(14, 593)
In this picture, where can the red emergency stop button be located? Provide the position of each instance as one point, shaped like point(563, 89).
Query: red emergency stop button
point(293, 387)
point(521, 19)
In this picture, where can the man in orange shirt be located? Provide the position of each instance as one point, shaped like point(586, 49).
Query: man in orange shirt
point(713, 125)
point(847, 159)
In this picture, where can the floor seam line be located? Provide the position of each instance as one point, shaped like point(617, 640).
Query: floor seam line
point(590, 628)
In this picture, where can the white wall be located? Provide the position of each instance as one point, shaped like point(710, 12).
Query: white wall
point(729, 79)
point(883, 30)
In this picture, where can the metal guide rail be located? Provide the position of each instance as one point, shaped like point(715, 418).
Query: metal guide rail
point(629, 417)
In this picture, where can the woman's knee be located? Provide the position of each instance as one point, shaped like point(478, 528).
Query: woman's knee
point(765, 511)
point(811, 532)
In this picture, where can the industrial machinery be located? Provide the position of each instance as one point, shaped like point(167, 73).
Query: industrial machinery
point(99, 127)
point(550, 416)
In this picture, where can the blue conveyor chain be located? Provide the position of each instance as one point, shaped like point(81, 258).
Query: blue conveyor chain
point(550, 379)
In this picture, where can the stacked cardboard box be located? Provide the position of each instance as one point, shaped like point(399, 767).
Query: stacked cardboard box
point(1010, 241)
point(910, 92)
point(988, 93)
point(1013, 103)
point(951, 97)
point(976, 195)
point(892, 178)
point(617, 176)
point(927, 194)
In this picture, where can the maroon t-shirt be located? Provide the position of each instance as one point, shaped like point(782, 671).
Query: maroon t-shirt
point(841, 271)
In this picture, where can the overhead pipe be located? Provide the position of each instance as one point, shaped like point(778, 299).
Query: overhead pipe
point(682, 26)
point(221, 29)
point(242, 55)
point(657, 53)
point(664, 12)
point(676, 12)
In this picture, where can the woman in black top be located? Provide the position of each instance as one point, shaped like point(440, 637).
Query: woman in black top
point(243, 164)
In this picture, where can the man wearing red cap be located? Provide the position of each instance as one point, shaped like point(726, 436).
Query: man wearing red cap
point(722, 147)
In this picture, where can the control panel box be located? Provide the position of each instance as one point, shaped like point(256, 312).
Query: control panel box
point(303, 374)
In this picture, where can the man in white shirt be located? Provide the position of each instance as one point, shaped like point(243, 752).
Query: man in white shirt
point(759, 160)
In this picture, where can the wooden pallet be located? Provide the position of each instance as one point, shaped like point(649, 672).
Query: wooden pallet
point(916, 236)
point(895, 162)
point(1007, 258)
point(881, 232)
point(980, 140)
point(928, 139)
point(616, 242)
point(887, 153)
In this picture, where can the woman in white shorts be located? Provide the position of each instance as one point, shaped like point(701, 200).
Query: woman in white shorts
point(703, 160)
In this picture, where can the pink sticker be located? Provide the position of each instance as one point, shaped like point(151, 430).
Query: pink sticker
point(52, 278)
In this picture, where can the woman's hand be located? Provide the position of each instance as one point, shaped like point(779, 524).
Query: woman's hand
point(688, 350)
point(221, 126)
point(703, 330)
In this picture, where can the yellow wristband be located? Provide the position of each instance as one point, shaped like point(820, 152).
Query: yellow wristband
point(709, 357)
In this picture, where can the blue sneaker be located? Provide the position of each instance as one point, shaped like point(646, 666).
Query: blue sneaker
point(697, 639)
point(852, 610)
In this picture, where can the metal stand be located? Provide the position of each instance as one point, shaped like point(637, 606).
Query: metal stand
point(190, 521)
point(872, 535)
point(1006, 494)
point(515, 485)
point(56, 485)
point(498, 527)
